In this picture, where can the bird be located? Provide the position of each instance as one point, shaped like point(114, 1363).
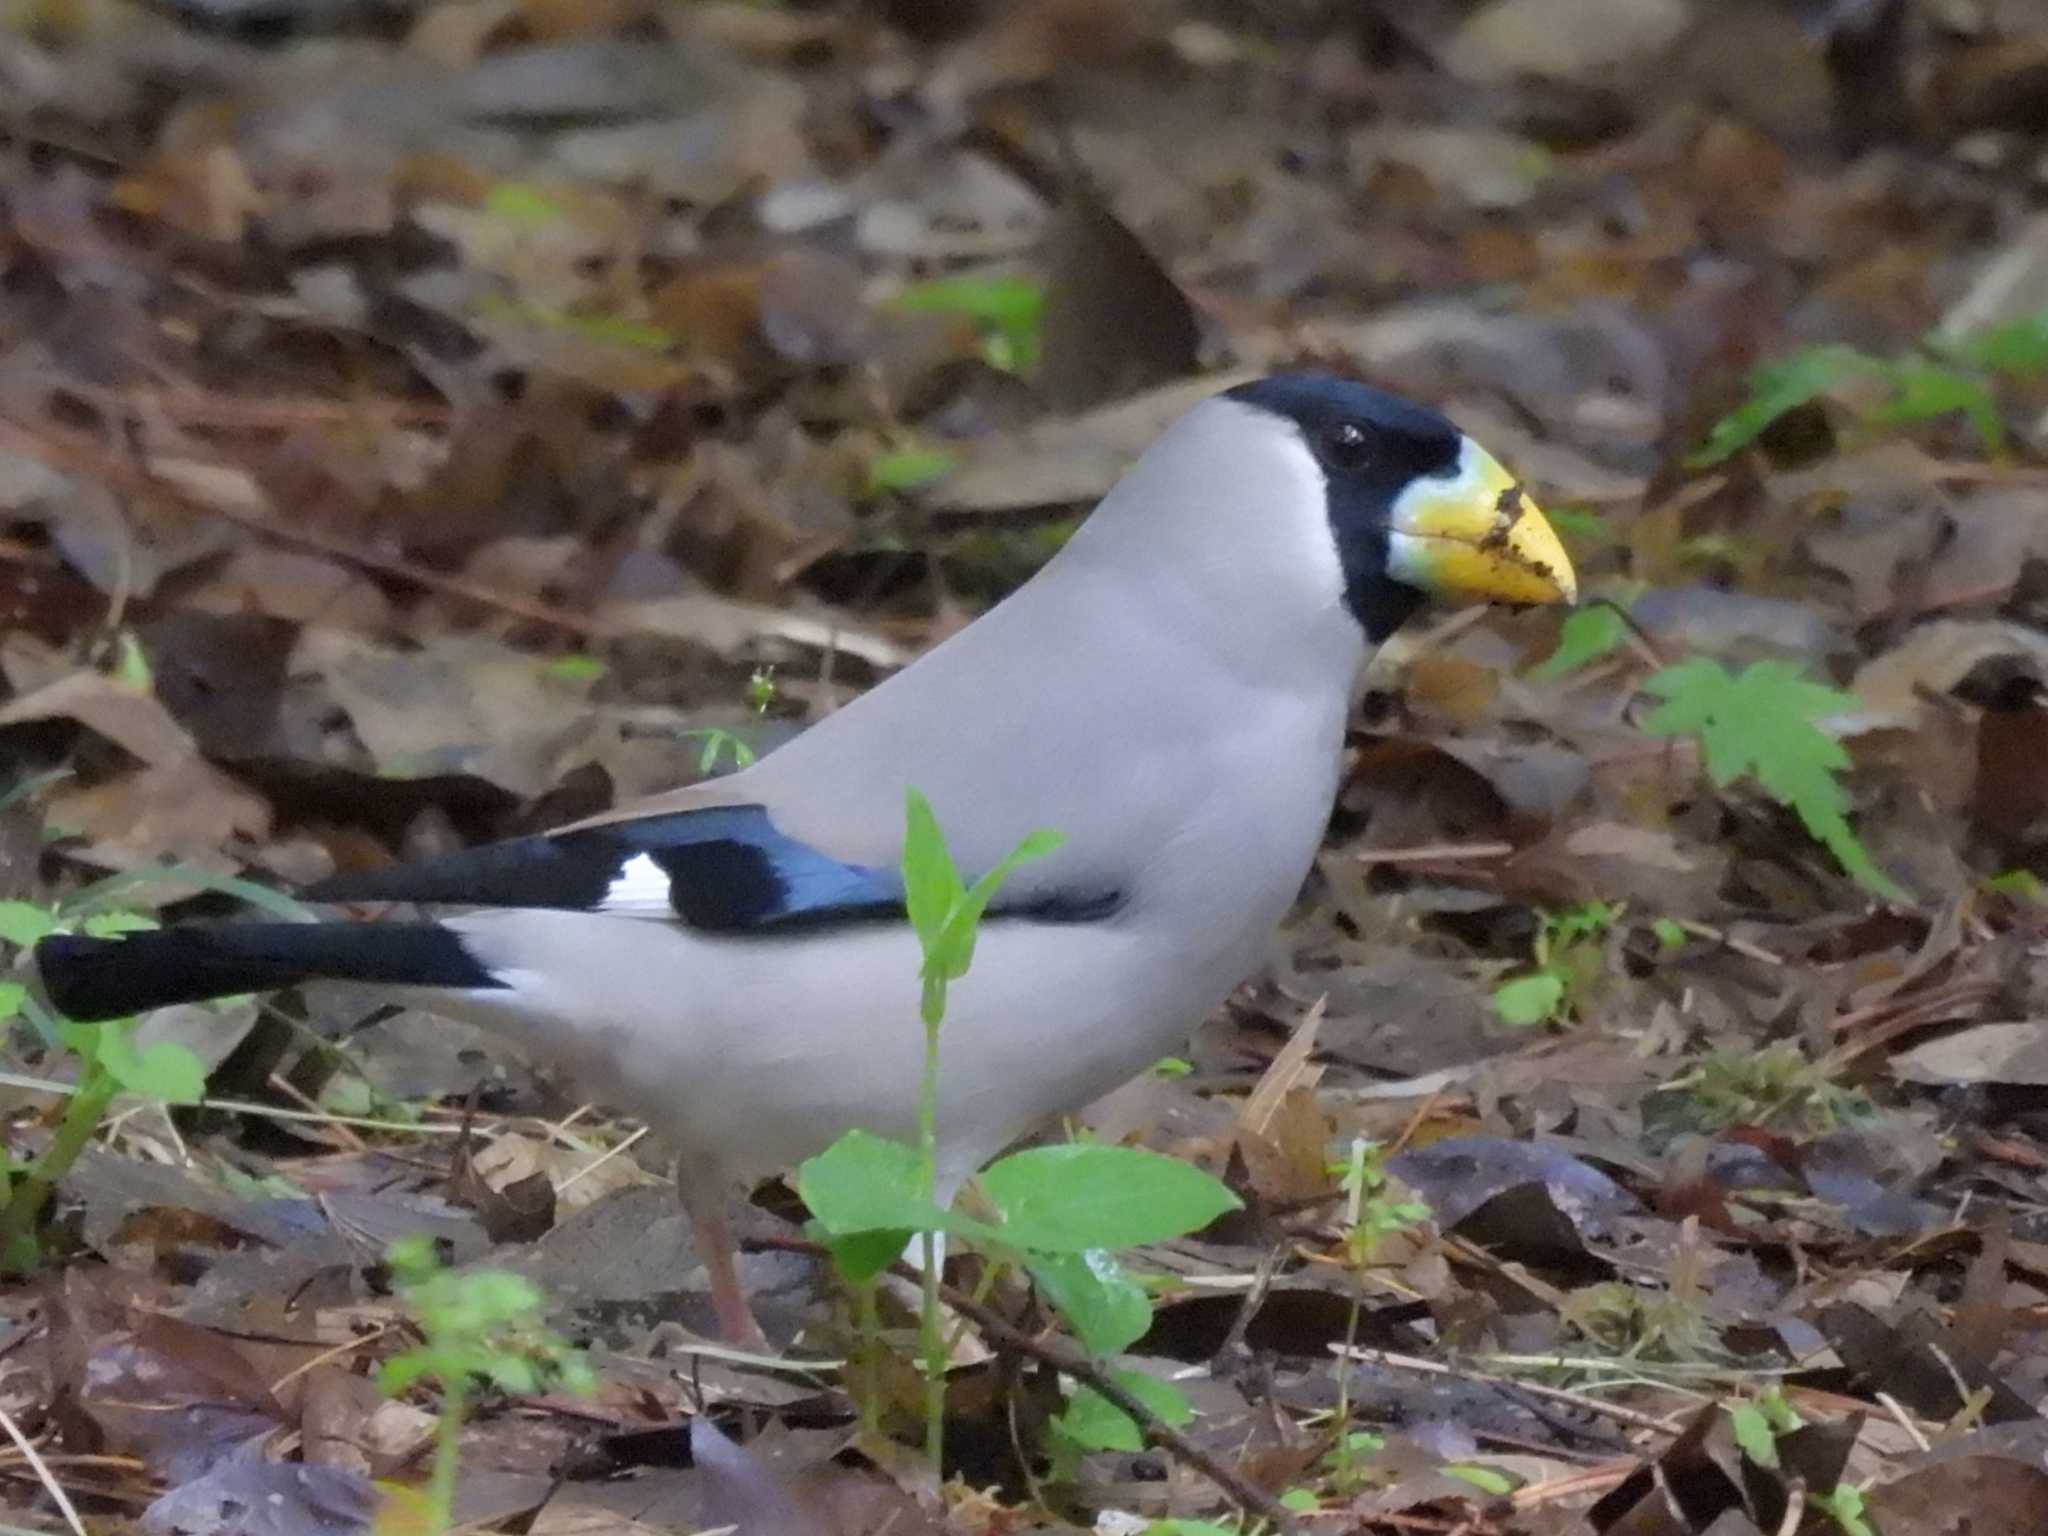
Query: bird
point(731, 961)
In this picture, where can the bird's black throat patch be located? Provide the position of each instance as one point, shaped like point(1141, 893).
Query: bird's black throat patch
point(1371, 446)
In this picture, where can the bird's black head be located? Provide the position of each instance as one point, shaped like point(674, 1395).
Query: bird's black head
point(1416, 508)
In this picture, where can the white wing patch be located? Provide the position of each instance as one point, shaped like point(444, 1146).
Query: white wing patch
point(639, 889)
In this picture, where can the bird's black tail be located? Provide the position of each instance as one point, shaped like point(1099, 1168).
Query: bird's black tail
point(90, 979)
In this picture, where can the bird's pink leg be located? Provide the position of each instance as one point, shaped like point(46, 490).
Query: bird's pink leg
point(704, 1201)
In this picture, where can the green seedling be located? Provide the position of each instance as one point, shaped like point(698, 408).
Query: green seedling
point(1566, 952)
point(1057, 1212)
point(1941, 377)
point(739, 745)
point(108, 1062)
point(1759, 723)
point(475, 1326)
point(1375, 1209)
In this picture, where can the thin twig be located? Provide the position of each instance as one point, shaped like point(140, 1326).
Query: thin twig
point(1904, 1420)
point(601, 1159)
point(1424, 853)
point(1795, 1509)
point(1578, 1400)
point(50, 1484)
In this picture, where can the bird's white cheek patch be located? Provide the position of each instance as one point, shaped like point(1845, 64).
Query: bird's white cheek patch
point(639, 889)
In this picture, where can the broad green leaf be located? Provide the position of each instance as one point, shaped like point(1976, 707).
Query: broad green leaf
point(12, 995)
point(1105, 1307)
point(1761, 723)
point(1776, 389)
point(24, 922)
point(867, 1183)
point(1754, 1434)
point(1094, 1423)
point(1068, 1199)
point(1528, 1000)
point(166, 1071)
point(860, 1256)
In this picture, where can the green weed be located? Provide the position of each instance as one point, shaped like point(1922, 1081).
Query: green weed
point(1058, 1213)
point(1940, 377)
point(1567, 955)
point(475, 1326)
point(108, 1061)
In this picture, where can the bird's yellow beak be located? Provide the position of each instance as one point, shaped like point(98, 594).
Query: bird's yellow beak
point(1477, 536)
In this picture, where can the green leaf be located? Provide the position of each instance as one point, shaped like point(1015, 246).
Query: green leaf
point(1487, 1480)
point(1587, 635)
point(112, 925)
point(860, 1256)
point(1068, 1199)
point(1760, 723)
point(1844, 1505)
point(931, 885)
point(1779, 388)
point(22, 923)
point(909, 469)
point(965, 919)
point(1010, 311)
point(1924, 391)
point(1669, 932)
point(1754, 1434)
point(576, 667)
point(12, 995)
point(1105, 1307)
point(1203, 1527)
point(868, 1183)
point(1528, 1000)
point(2020, 884)
point(165, 1071)
point(522, 203)
point(1094, 1423)
point(2020, 347)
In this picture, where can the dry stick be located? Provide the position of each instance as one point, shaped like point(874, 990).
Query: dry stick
point(1065, 1358)
point(50, 1484)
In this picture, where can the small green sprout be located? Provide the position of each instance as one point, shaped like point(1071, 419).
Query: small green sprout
point(475, 1326)
point(1566, 952)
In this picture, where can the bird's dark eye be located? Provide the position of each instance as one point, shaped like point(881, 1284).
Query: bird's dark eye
point(1346, 445)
